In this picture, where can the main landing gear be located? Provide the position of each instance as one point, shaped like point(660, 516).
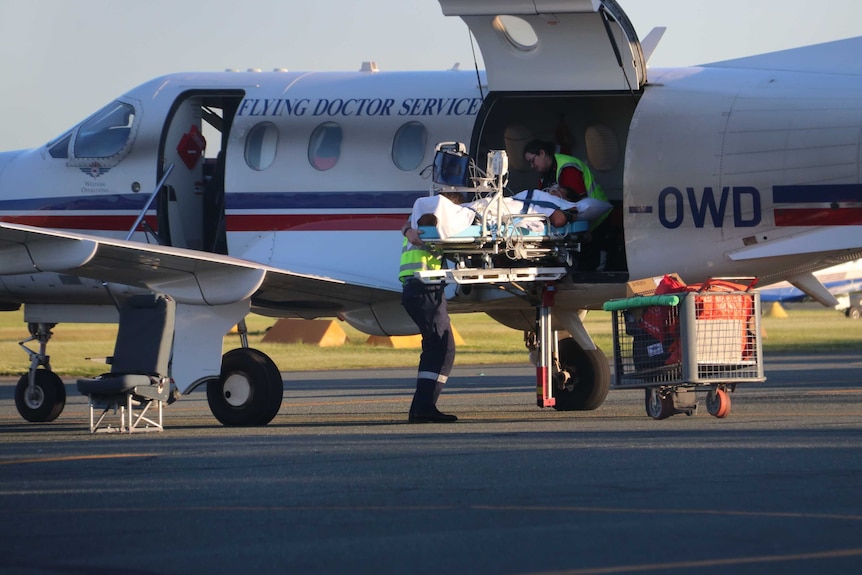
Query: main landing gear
point(248, 392)
point(568, 377)
point(40, 395)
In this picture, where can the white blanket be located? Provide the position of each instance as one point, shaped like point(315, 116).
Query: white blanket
point(453, 218)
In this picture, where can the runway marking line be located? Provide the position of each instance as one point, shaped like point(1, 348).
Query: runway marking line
point(773, 514)
point(836, 554)
point(519, 508)
point(74, 458)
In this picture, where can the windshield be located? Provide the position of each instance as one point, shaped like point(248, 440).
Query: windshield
point(106, 133)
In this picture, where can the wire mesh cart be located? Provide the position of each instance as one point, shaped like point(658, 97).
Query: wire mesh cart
point(673, 345)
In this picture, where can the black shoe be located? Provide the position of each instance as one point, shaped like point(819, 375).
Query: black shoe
point(431, 417)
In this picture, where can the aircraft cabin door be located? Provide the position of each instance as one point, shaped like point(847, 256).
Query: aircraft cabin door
point(567, 72)
point(181, 204)
point(191, 205)
point(548, 45)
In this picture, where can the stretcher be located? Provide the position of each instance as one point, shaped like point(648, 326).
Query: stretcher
point(493, 229)
point(510, 240)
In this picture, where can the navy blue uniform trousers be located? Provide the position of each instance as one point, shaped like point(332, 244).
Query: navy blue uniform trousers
point(426, 304)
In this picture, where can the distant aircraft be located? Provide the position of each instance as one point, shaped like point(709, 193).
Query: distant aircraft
point(840, 280)
point(283, 192)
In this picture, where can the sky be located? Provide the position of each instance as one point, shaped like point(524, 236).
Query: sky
point(64, 59)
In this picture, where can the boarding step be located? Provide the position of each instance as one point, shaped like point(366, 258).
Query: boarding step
point(491, 275)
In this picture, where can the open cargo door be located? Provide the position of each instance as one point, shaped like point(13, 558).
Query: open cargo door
point(554, 45)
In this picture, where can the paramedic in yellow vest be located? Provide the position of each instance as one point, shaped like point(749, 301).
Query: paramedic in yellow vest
point(426, 305)
point(576, 181)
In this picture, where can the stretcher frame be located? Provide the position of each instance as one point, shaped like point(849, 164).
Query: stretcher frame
point(502, 233)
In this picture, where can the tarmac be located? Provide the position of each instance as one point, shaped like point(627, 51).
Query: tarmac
point(340, 483)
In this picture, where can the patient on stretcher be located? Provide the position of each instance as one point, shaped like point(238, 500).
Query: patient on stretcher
point(529, 210)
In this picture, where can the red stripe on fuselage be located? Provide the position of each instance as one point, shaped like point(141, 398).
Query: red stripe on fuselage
point(818, 216)
point(114, 223)
point(235, 223)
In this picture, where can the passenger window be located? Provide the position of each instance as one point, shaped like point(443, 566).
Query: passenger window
point(408, 146)
point(324, 148)
point(260, 146)
point(106, 133)
point(517, 31)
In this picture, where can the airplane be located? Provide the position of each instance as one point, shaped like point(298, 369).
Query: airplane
point(283, 193)
point(840, 281)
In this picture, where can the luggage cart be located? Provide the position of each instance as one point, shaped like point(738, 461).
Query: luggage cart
point(673, 345)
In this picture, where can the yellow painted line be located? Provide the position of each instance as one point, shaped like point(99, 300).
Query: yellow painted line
point(74, 458)
point(317, 403)
point(838, 553)
point(406, 397)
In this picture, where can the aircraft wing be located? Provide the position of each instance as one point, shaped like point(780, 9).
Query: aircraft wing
point(189, 276)
point(826, 240)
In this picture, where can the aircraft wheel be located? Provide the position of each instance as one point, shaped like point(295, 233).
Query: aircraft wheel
point(854, 313)
point(718, 403)
point(590, 379)
point(45, 402)
point(658, 406)
point(248, 392)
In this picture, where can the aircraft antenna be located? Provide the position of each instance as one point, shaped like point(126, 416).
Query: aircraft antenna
point(476, 66)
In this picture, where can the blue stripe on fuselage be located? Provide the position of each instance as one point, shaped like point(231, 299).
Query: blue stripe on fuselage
point(827, 193)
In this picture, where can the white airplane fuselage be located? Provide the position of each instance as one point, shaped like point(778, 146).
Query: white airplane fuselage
point(711, 162)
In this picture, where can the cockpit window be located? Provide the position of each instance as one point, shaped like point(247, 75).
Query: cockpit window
point(106, 133)
point(324, 147)
point(59, 148)
point(408, 146)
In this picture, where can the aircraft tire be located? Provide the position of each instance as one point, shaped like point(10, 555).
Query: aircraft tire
point(658, 406)
point(249, 390)
point(48, 400)
point(591, 375)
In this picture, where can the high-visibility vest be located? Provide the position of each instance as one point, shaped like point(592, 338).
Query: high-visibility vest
point(594, 190)
point(417, 259)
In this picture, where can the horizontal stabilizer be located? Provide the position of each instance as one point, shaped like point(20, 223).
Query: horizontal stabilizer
point(838, 57)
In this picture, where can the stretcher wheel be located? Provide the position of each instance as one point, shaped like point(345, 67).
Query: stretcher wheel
point(718, 403)
point(658, 406)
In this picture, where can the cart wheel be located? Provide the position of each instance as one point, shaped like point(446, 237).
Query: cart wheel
point(658, 407)
point(718, 403)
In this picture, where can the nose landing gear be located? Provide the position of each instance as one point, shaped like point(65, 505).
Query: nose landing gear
point(40, 395)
